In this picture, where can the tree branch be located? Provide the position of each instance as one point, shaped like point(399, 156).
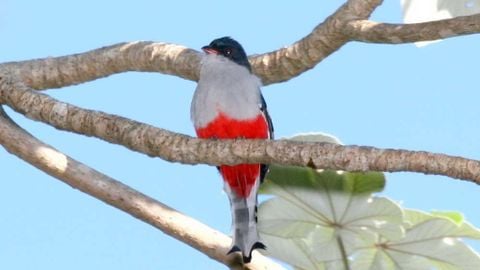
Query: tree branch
point(348, 23)
point(325, 39)
point(197, 235)
point(56, 72)
point(273, 67)
point(175, 147)
point(374, 32)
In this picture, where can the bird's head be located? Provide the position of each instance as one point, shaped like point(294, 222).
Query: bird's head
point(229, 48)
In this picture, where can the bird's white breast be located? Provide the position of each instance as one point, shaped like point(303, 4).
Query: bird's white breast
point(227, 87)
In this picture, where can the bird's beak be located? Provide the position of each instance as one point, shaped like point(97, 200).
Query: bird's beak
point(209, 50)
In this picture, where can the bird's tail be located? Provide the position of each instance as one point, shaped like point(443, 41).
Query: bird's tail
point(244, 214)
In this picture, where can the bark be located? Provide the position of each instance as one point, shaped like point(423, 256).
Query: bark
point(19, 82)
point(79, 176)
point(387, 33)
point(181, 148)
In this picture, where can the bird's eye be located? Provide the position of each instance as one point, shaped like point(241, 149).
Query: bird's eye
point(228, 51)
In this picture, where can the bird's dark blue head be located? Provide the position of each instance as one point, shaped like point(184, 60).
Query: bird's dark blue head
point(229, 48)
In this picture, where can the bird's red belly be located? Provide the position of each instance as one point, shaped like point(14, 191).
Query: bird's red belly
point(241, 178)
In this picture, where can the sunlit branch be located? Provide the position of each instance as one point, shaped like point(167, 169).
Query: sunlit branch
point(277, 66)
point(176, 147)
point(376, 32)
point(199, 236)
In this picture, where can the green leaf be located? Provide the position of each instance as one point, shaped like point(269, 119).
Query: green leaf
point(365, 182)
point(430, 242)
point(376, 258)
point(456, 217)
point(350, 182)
point(314, 209)
point(461, 229)
point(292, 176)
point(287, 176)
point(299, 223)
point(318, 219)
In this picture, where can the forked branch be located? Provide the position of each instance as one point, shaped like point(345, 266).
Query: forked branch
point(20, 80)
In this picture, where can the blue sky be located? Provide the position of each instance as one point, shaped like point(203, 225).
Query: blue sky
point(390, 96)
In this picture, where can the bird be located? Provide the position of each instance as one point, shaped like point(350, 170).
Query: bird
point(228, 104)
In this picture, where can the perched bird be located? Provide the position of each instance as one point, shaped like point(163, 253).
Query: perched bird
point(228, 104)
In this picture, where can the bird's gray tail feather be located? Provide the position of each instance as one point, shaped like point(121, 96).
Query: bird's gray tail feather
point(244, 215)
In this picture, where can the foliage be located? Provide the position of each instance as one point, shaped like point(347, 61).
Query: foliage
point(331, 220)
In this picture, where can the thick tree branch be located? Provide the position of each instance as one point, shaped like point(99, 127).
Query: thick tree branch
point(181, 148)
point(273, 67)
point(326, 38)
point(374, 32)
point(348, 23)
point(361, 8)
point(56, 72)
point(199, 236)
